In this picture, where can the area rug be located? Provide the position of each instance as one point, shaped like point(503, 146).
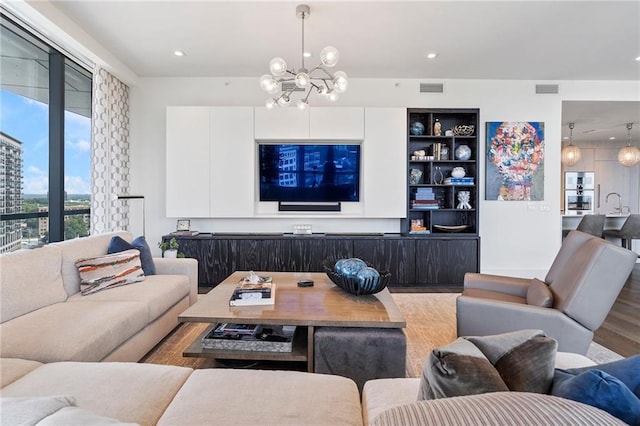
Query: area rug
point(430, 317)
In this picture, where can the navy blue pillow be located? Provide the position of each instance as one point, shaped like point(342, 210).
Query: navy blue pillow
point(598, 389)
point(117, 244)
point(626, 370)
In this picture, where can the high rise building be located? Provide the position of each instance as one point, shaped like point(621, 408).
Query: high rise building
point(10, 191)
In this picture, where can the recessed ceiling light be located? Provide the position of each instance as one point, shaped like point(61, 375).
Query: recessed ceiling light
point(566, 137)
point(612, 138)
point(307, 54)
point(179, 53)
point(638, 58)
point(432, 55)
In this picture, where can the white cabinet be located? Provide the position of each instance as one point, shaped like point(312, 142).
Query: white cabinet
point(384, 154)
point(210, 162)
point(336, 123)
point(187, 162)
point(315, 123)
point(281, 123)
point(232, 163)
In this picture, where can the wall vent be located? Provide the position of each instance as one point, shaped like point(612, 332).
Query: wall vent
point(547, 89)
point(431, 87)
point(290, 86)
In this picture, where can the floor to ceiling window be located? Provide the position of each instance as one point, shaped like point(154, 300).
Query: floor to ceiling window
point(45, 142)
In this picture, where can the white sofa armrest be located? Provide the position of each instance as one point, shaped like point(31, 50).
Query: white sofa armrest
point(180, 266)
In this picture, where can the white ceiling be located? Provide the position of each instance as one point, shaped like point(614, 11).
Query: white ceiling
point(523, 40)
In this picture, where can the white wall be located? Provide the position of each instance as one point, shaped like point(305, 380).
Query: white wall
point(519, 238)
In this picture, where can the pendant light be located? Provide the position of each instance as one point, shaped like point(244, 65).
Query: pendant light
point(571, 154)
point(629, 155)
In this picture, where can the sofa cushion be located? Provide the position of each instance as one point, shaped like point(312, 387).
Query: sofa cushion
point(158, 292)
point(497, 408)
point(29, 280)
point(126, 391)
point(11, 369)
point(109, 271)
point(50, 411)
point(80, 248)
point(262, 397)
point(538, 294)
point(72, 331)
point(118, 244)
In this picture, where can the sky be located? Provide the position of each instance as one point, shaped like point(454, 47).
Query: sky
point(27, 121)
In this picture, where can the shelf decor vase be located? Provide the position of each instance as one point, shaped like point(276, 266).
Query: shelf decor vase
point(463, 152)
point(416, 128)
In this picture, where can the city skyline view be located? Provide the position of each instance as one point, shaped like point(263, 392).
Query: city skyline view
point(27, 121)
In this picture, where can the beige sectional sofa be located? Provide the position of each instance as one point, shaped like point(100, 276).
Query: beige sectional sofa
point(149, 394)
point(45, 318)
point(51, 336)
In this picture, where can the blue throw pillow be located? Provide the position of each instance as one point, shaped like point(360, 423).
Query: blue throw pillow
point(117, 244)
point(626, 370)
point(598, 389)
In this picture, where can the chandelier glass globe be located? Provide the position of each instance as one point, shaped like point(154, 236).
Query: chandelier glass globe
point(302, 79)
point(329, 56)
point(278, 67)
point(340, 82)
point(269, 84)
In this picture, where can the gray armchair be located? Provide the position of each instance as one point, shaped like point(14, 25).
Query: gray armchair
point(569, 305)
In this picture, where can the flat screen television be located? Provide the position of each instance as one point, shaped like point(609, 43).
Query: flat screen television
point(309, 172)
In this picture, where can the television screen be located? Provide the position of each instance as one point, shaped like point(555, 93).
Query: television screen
point(309, 173)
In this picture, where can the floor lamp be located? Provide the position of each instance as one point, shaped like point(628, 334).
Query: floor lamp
point(135, 197)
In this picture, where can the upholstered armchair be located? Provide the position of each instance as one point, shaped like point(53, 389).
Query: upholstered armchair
point(569, 305)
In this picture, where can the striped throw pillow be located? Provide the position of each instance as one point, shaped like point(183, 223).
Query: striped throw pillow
point(109, 271)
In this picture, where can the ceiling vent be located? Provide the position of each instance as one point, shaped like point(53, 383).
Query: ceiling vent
point(431, 88)
point(290, 86)
point(547, 89)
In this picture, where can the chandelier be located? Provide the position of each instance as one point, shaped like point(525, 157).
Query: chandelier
point(282, 81)
point(571, 154)
point(629, 155)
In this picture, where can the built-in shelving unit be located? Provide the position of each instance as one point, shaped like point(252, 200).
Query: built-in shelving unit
point(436, 141)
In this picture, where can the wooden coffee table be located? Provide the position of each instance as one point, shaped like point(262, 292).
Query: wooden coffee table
point(324, 304)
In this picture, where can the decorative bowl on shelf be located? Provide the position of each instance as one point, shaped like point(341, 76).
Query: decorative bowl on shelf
point(416, 128)
point(464, 130)
point(451, 228)
point(365, 281)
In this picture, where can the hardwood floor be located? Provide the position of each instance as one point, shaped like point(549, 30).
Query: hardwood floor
point(620, 331)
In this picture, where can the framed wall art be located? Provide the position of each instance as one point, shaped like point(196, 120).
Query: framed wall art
point(515, 161)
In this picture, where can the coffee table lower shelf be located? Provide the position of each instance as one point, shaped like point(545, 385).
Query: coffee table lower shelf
point(299, 352)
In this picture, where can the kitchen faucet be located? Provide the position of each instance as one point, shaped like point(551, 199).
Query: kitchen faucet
point(616, 209)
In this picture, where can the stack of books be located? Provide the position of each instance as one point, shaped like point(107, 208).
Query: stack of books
point(459, 181)
point(424, 199)
point(417, 227)
point(252, 294)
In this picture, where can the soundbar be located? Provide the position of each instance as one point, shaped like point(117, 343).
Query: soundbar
point(285, 206)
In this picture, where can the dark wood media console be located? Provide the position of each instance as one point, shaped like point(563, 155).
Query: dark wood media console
point(437, 263)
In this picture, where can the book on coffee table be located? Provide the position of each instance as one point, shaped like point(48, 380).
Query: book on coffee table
point(246, 294)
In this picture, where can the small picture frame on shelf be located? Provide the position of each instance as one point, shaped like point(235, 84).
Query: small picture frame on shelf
point(183, 225)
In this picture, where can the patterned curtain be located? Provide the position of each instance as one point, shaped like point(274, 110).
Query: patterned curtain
point(110, 153)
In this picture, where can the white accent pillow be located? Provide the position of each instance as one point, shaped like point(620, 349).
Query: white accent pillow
point(109, 271)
